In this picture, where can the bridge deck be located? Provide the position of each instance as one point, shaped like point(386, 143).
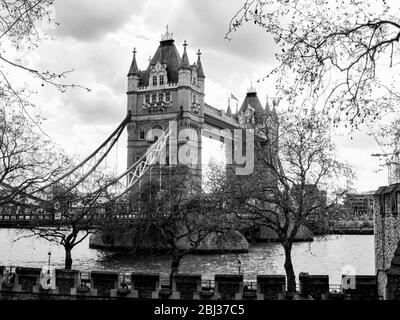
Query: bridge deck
point(47, 220)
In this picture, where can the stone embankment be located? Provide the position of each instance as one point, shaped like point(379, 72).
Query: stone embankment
point(353, 227)
point(32, 284)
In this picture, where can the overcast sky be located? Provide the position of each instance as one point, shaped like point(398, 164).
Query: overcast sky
point(96, 39)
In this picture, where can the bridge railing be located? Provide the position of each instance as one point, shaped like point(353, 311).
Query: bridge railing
point(49, 219)
point(219, 114)
point(24, 217)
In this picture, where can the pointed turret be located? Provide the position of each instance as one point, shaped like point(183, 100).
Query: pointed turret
point(200, 71)
point(134, 70)
point(133, 74)
point(252, 106)
point(252, 101)
point(185, 60)
point(229, 111)
point(168, 56)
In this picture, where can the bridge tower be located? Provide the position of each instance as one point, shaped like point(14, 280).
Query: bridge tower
point(169, 93)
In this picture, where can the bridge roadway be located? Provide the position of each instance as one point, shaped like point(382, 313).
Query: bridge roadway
point(23, 221)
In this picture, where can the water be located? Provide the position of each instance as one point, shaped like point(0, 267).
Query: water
point(326, 255)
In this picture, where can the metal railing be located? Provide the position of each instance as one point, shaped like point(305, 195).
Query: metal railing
point(211, 111)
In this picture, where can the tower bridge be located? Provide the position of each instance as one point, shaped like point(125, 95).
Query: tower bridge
point(170, 89)
point(166, 110)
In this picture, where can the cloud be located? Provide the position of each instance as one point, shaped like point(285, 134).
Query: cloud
point(207, 22)
point(97, 107)
point(96, 38)
point(90, 20)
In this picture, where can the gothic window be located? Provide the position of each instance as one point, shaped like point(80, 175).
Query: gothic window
point(160, 97)
point(147, 99)
point(387, 203)
point(161, 80)
point(154, 98)
point(157, 130)
point(168, 96)
point(154, 81)
point(142, 134)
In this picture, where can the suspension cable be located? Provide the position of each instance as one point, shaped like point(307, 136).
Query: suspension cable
point(117, 133)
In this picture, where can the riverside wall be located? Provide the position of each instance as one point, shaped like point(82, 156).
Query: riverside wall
point(37, 284)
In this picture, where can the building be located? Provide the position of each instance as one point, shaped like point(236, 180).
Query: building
point(359, 205)
point(169, 90)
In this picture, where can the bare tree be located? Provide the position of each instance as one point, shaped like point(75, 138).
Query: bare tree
point(76, 213)
point(339, 52)
point(27, 160)
point(297, 178)
point(181, 215)
point(20, 31)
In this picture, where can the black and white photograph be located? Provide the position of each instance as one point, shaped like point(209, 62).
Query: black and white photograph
point(199, 155)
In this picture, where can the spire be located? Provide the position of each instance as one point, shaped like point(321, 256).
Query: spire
point(229, 111)
point(252, 101)
point(167, 36)
point(134, 70)
point(200, 72)
point(185, 60)
point(252, 90)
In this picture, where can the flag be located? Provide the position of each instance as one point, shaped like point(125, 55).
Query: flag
point(234, 98)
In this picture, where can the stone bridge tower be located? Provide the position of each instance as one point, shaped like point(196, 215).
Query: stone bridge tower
point(169, 91)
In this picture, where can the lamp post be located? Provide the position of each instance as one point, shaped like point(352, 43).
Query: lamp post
point(48, 280)
point(48, 269)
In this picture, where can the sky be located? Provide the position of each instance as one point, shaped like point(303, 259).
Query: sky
point(96, 40)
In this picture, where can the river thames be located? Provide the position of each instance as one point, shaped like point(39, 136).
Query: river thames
point(325, 255)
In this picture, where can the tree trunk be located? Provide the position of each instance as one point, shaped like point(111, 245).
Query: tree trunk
point(176, 261)
point(291, 278)
point(68, 259)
